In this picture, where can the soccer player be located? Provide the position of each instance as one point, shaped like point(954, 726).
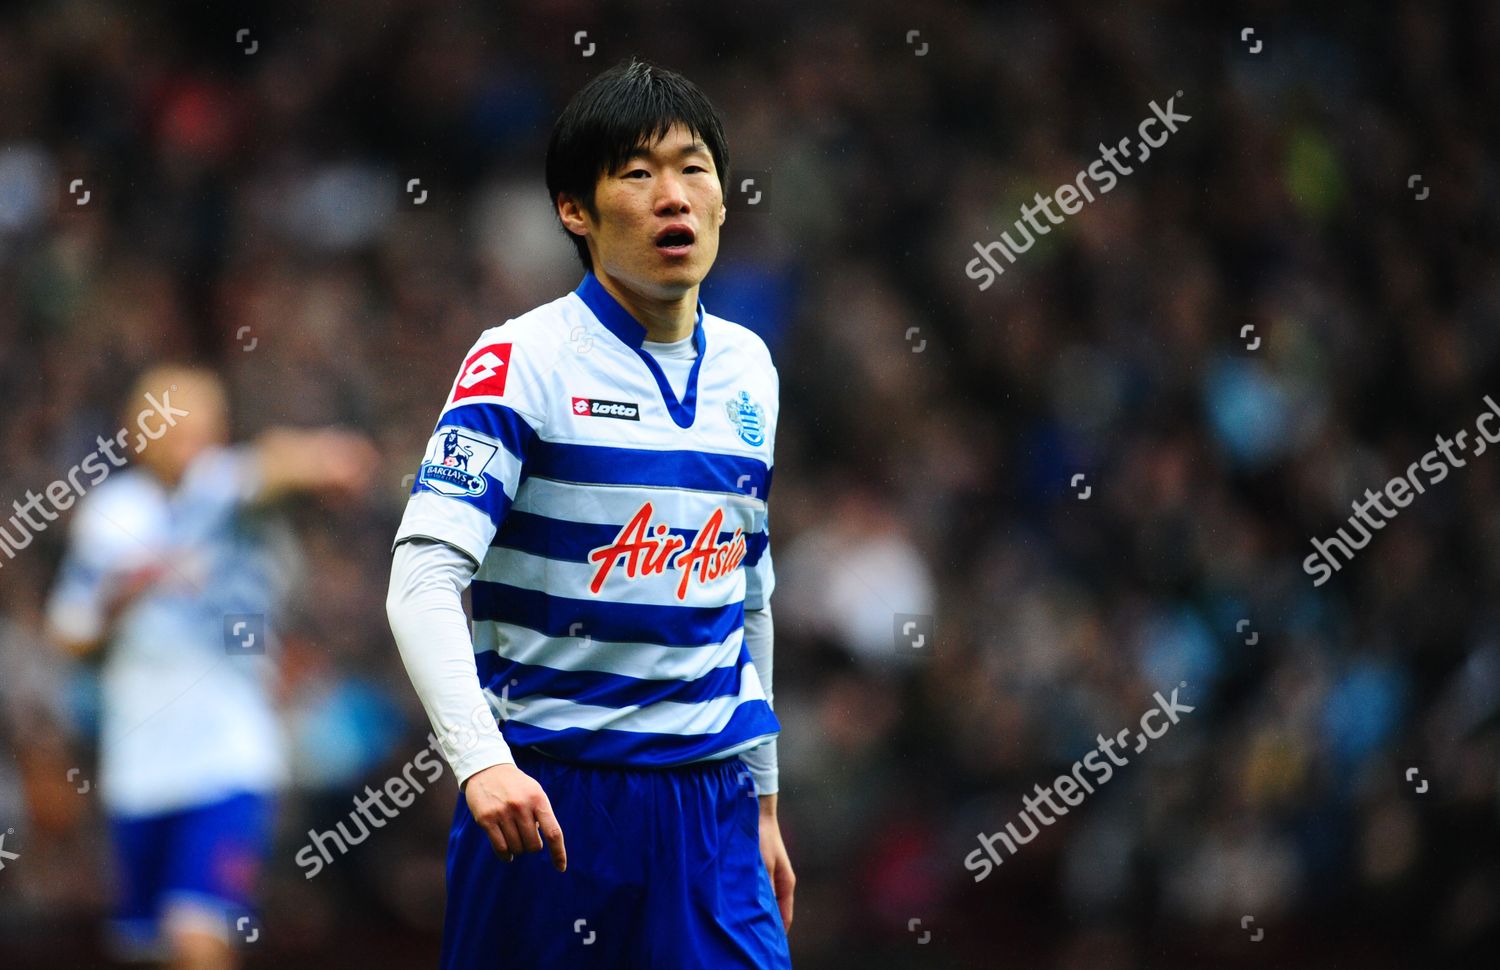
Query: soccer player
point(166, 560)
point(599, 473)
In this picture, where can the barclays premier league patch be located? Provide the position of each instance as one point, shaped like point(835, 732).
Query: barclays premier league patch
point(455, 463)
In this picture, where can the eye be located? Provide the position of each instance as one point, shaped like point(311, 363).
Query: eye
point(695, 168)
point(634, 172)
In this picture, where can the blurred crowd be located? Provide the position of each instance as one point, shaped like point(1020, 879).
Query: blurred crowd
point(1267, 319)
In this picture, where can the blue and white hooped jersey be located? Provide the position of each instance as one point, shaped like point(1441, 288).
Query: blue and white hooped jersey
point(186, 719)
point(620, 533)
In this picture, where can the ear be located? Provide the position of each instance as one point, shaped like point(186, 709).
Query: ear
point(573, 216)
point(723, 213)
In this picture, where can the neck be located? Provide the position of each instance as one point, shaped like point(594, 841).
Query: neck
point(665, 321)
point(169, 478)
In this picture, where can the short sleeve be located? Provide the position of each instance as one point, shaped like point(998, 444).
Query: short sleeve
point(760, 574)
point(472, 466)
point(102, 546)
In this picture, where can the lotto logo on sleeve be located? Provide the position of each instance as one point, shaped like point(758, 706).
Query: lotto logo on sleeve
point(484, 373)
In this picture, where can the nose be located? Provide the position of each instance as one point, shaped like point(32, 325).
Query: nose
point(671, 198)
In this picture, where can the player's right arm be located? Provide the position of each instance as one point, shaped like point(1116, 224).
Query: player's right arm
point(103, 570)
point(291, 460)
point(467, 482)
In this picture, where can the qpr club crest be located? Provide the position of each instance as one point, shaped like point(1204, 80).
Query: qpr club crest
point(455, 463)
point(748, 418)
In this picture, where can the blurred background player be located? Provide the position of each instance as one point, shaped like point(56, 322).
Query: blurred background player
point(172, 568)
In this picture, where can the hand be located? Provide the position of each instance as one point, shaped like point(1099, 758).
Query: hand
point(510, 806)
point(348, 460)
point(129, 587)
point(322, 459)
point(773, 851)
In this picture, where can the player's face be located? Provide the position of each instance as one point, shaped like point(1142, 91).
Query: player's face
point(205, 426)
point(672, 183)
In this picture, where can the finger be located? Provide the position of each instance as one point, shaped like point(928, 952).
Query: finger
point(514, 844)
point(497, 839)
point(552, 832)
point(785, 887)
point(529, 836)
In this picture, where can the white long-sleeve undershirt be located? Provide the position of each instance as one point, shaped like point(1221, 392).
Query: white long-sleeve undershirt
point(762, 760)
point(425, 608)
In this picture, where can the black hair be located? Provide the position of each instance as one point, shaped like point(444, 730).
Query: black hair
point(629, 106)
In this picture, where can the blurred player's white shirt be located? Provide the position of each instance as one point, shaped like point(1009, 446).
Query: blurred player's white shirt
point(184, 721)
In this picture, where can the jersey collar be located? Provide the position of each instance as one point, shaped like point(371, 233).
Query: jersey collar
point(618, 321)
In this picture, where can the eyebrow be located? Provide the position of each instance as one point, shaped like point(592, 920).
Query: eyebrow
point(695, 148)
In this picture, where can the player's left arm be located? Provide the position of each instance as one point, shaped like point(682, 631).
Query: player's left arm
point(762, 762)
point(760, 580)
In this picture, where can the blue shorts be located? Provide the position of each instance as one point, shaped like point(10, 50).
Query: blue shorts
point(198, 864)
point(664, 872)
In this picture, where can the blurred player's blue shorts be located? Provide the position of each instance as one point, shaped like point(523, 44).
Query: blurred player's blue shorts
point(195, 867)
point(664, 873)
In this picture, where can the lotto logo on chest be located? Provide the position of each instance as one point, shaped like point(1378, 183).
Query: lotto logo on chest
point(586, 407)
point(650, 550)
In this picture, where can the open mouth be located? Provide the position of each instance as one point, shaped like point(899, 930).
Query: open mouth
point(675, 240)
